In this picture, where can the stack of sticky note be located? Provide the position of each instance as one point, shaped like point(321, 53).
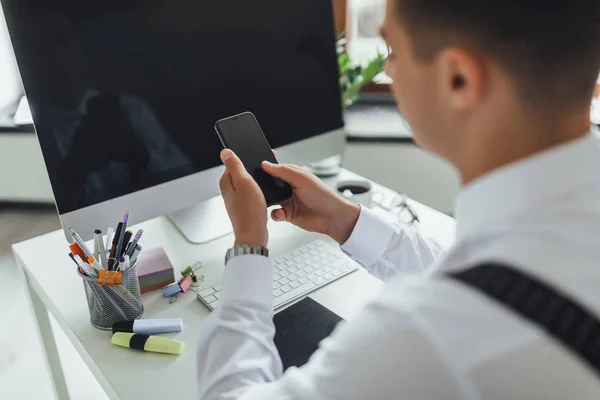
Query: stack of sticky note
point(154, 270)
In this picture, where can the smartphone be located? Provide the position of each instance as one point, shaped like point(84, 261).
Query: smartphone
point(242, 134)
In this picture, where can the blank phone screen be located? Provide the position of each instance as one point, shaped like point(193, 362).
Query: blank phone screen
point(242, 134)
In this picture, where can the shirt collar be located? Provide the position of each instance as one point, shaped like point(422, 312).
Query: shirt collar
point(527, 184)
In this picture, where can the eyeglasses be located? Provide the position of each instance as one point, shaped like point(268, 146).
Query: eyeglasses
point(398, 206)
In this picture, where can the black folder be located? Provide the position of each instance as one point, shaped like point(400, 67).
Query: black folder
point(300, 328)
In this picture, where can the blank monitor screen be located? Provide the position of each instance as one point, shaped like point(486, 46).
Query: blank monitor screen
point(125, 93)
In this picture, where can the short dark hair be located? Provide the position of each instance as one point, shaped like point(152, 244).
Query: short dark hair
point(551, 49)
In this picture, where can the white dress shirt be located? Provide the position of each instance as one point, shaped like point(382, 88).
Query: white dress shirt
point(427, 336)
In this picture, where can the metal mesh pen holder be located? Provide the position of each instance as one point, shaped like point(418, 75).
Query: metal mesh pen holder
point(111, 304)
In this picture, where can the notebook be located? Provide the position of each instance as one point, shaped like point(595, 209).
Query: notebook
point(299, 330)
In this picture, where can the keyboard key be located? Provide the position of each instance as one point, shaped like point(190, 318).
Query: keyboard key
point(306, 256)
point(301, 273)
point(309, 285)
point(291, 270)
point(327, 269)
point(345, 268)
point(284, 273)
point(280, 267)
point(294, 285)
point(293, 277)
point(290, 263)
point(313, 253)
point(276, 285)
point(319, 281)
point(218, 287)
point(296, 252)
point(286, 288)
point(284, 281)
point(288, 257)
point(277, 292)
point(319, 272)
point(210, 298)
point(215, 303)
point(217, 295)
point(277, 276)
point(328, 276)
point(303, 280)
point(311, 276)
point(336, 272)
point(207, 292)
point(308, 270)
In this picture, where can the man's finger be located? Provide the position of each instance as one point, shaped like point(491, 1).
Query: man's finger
point(274, 153)
point(285, 213)
point(233, 165)
point(289, 173)
point(279, 215)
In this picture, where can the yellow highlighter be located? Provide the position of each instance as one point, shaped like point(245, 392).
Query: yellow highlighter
point(154, 344)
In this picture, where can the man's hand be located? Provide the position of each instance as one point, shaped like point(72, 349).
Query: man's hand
point(244, 201)
point(313, 206)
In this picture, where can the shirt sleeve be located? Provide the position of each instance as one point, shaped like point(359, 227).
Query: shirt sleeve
point(386, 249)
point(236, 346)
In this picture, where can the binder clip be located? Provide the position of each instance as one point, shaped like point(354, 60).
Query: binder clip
point(187, 282)
point(191, 272)
point(109, 278)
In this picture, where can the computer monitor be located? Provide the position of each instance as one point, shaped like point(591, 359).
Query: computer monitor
point(125, 94)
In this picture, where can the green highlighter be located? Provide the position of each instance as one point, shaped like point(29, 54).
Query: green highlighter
point(154, 344)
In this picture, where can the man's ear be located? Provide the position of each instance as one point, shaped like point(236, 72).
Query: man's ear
point(463, 77)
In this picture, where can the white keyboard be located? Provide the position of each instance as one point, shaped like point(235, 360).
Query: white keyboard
point(296, 274)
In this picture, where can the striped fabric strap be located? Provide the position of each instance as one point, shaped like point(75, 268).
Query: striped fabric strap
point(556, 313)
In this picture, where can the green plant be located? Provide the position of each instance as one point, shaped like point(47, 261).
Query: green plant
point(354, 77)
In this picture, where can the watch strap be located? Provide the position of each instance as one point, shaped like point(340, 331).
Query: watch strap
point(244, 250)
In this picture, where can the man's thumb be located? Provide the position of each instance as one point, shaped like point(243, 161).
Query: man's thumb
point(232, 162)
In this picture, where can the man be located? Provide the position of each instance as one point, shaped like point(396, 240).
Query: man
point(501, 89)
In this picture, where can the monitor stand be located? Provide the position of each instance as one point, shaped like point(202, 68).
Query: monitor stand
point(204, 222)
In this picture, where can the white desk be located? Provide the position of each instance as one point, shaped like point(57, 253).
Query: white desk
point(126, 374)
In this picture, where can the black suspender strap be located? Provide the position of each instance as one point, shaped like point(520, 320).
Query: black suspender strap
point(543, 305)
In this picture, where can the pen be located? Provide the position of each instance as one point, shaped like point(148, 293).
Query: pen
point(97, 243)
point(73, 258)
point(76, 250)
point(94, 264)
point(113, 249)
point(134, 256)
point(85, 267)
point(133, 244)
point(109, 233)
point(122, 235)
point(80, 242)
point(126, 240)
point(101, 249)
point(127, 263)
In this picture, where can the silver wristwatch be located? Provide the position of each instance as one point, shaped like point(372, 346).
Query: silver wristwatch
point(245, 249)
